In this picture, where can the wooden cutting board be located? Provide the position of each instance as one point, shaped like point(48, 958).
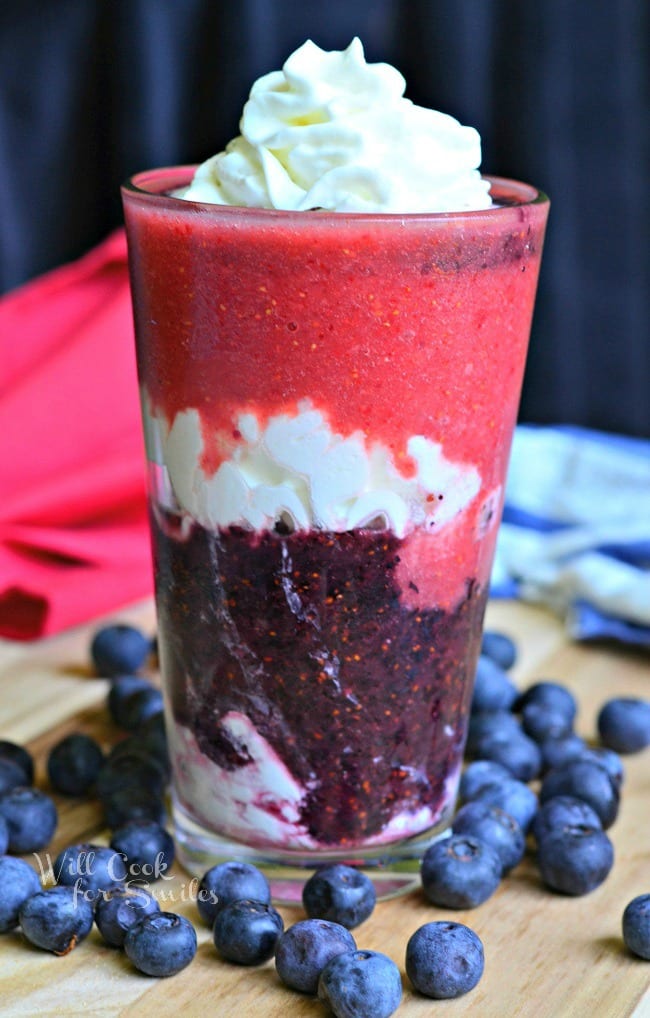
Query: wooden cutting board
point(547, 956)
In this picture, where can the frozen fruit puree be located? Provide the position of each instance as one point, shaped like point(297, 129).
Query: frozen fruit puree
point(328, 400)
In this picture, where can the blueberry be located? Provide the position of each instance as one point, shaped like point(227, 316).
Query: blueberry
point(127, 804)
point(12, 775)
point(361, 984)
point(19, 756)
point(479, 773)
point(132, 769)
point(90, 869)
point(587, 780)
point(493, 689)
point(608, 759)
point(4, 836)
point(31, 818)
point(636, 926)
point(303, 951)
point(56, 919)
point(553, 695)
point(513, 797)
point(119, 649)
point(18, 881)
point(563, 811)
point(247, 932)
point(74, 763)
point(228, 882)
point(514, 750)
point(161, 944)
point(499, 647)
point(140, 706)
point(143, 748)
point(574, 859)
point(444, 959)
point(624, 724)
point(152, 737)
point(557, 752)
point(540, 721)
point(460, 871)
point(339, 893)
point(498, 829)
point(485, 725)
point(118, 910)
point(121, 689)
point(148, 849)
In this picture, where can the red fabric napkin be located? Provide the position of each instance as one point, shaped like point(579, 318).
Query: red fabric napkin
point(73, 522)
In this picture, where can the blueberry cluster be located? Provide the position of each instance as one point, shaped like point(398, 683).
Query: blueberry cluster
point(319, 955)
point(105, 885)
point(529, 779)
point(530, 775)
point(28, 816)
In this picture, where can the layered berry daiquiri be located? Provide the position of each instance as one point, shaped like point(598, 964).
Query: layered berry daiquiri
point(329, 399)
point(330, 407)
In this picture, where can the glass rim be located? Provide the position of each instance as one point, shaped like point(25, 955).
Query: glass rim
point(517, 195)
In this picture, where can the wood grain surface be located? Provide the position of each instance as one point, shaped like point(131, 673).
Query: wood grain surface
point(547, 956)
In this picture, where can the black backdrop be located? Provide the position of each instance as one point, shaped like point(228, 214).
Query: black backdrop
point(93, 90)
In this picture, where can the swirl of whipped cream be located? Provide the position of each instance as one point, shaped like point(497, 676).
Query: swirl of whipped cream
point(331, 131)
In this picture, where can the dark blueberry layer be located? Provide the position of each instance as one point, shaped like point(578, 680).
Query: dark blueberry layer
point(305, 635)
point(488, 250)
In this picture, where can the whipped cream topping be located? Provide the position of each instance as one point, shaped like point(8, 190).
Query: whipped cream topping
point(298, 471)
point(331, 131)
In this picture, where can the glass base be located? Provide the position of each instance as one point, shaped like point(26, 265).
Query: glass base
point(394, 869)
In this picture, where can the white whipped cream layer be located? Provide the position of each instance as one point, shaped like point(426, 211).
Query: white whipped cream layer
point(298, 471)
point(331, 131)
point(259, 800)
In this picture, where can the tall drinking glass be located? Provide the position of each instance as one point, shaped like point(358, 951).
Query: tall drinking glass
point(328, 403)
